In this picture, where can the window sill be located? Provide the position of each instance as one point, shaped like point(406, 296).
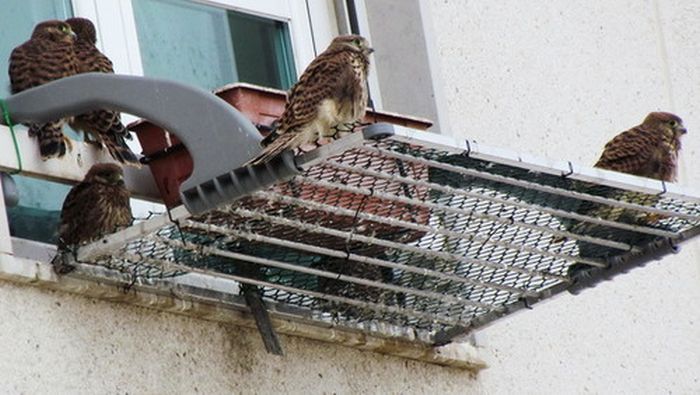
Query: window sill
point(203, 297)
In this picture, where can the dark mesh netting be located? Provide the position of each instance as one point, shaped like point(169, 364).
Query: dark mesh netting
point(398, 233)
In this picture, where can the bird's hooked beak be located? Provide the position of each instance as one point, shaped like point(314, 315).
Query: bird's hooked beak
point(369, 50)
point(118, 178)
point(681, 130)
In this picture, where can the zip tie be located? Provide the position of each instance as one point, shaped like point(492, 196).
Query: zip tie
point(8, 121)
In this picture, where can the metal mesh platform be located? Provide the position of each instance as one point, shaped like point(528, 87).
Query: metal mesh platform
point(421, 232)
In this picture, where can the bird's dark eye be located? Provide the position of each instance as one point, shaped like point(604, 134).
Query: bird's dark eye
point(672, 123)
point(358, 43)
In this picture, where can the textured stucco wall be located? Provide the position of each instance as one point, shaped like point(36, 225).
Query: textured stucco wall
point(559, 79)
point(57, 343)
point(406, 64)
point(555, 79)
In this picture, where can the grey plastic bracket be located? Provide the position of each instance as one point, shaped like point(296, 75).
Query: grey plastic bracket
point(218, 137)
point(239, 182)
point(378, 131)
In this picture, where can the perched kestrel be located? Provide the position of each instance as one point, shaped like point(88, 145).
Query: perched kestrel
point(332, 91)
point(48, 55)
point(97, 206)
point(102, 126)
point(647, 150)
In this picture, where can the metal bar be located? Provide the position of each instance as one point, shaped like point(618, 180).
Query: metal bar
point(445, 336)
point(402, 199)
point(339, 299)
point(72, 167)
point(506, 157)
point(409, 225)
point(546, 210)
point(322, 273)
point(312, 158)
point(353, 257)
point(473, 213)
point(652, 251)
point(393, 245)
point(529, 185)
point(621, 264)
point(117, 240)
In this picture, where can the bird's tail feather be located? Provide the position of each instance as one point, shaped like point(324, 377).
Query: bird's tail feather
point(104, 120)
point(276, 147)
point(117, 147)
point(107, 129)
point(52, 141)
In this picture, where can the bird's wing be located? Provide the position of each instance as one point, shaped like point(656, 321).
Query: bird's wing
point(35, 63)
point(324, 79)
point(629, 152)
point(103, 124)
point(73, 224)
point(92, 60)
point(92, 210)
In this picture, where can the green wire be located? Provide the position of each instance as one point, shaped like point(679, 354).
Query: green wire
point(8, 121)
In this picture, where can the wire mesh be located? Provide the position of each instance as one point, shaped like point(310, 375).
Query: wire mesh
point(403, 234)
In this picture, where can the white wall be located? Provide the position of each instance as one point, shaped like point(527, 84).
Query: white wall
point(58, 343)
point(559, 79)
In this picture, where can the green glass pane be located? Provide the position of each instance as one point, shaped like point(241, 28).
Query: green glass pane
point(252, 36)
point(40, 202)
point(17, 20)
point(210, 46)
point(185, 41)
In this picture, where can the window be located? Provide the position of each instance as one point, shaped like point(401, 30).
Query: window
point(38, 211)
point(210, 46)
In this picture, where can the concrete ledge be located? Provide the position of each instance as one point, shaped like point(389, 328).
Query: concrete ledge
point(180, 298)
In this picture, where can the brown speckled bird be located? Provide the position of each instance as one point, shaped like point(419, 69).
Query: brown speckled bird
point(647, 150)
point(97, 206)
point(101, 127)
point(331, 92)
point(48, 55)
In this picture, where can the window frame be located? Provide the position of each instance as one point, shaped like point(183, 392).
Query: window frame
point(310, 30)
point(123, 47)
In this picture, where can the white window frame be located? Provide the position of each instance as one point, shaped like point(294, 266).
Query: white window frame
point(122, 44)
point(310, 30)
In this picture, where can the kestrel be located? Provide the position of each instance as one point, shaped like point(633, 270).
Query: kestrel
point(102, 126)
point(48, 55)
point(647, 150)
point(331, 92)
point(97, 206)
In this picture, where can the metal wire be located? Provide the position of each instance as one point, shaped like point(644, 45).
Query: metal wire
point(353, 257)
